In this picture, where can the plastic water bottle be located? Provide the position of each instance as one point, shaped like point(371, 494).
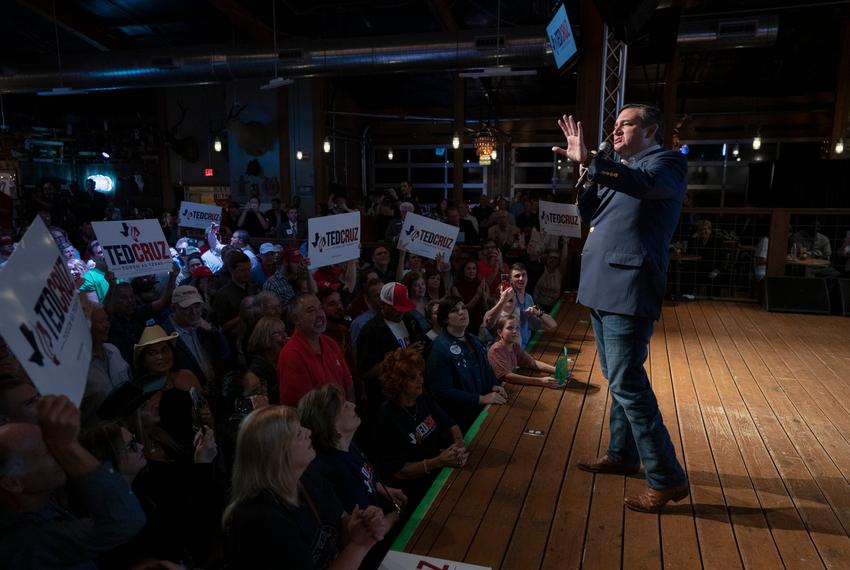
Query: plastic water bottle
point(794, 251)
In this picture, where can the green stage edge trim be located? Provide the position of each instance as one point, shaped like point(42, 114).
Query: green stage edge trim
point(413, 522)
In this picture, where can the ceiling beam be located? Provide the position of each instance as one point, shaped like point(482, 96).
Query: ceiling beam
point(444, 14)
point(77, 22)
point(244, 20)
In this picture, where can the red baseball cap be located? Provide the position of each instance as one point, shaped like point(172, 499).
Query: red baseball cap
point(202, 271)
point(395, 294)
point(292, 255)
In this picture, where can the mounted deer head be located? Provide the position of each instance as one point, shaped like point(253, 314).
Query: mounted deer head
point(184, 147)
point(255, 138)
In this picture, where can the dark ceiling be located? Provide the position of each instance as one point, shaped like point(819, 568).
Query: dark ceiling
point(800, 63)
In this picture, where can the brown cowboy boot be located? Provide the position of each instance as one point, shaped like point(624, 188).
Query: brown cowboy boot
point(605, 465)
point(653, 500)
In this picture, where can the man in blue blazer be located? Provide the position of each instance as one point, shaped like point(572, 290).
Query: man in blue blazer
point(633, 208)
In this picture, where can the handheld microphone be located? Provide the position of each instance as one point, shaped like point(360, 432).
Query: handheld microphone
point(603, 148)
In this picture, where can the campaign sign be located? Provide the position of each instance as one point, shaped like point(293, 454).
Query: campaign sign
point(200, 216)
point(134, 247)
point(559, 219)
point(403, 561)
point(43, 322)
point(333, 239)
point(426, 237)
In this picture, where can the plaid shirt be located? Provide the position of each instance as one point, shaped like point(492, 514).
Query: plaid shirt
point(278, 285)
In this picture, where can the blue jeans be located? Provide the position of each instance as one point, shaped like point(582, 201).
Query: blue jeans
point(638, 434)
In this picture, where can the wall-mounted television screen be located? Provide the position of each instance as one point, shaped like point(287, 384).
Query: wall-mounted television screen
point(561, 37)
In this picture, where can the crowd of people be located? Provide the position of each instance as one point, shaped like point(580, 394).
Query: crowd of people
point(245, 410)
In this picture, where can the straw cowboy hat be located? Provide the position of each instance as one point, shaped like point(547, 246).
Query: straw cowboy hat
point(152, 335)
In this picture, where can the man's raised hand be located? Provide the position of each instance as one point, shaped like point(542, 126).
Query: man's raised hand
point(576, 150)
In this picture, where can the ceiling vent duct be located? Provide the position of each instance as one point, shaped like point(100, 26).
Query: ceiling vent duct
point(728, 33)
point(521, 47)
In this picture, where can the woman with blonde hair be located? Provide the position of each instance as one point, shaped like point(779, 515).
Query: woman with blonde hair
point(78, 270)
point(281, 517)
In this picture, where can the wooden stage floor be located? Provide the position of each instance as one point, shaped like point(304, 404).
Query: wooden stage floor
point(758, 406)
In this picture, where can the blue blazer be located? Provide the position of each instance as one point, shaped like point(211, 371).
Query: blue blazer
point(632, 212)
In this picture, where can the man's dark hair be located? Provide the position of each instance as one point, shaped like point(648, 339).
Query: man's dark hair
point(372, 282)
point(91, 247)
point(324, 292)
point(236, 257)
point(275, 200)
point(649, 116)
point(518, 267)
point(242, 235)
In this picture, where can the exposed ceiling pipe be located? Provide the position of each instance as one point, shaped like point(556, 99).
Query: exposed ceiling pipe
point(525, 47)
point(522, 47)
point(728, 33)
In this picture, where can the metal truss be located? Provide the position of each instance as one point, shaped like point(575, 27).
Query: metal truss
point(613, 88)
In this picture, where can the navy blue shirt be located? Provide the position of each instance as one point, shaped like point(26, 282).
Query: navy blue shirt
point(352, 477)
point(409, 435)
point(457, 373)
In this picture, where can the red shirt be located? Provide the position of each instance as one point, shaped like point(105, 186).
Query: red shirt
point(485, 269)
point(300, 369)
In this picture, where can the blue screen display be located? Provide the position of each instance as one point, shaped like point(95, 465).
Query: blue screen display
point(561, 37)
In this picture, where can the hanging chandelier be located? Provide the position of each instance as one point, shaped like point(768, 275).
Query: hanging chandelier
point(485, 144)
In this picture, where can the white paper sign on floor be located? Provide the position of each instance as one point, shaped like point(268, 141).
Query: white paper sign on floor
point(560, 219)
point(200, 216)
point(133, 247)
point(426, 237)
point(333, 239)
point(43, 322)
point(404, 561)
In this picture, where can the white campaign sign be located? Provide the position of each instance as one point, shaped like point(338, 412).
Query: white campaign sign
point(195, 215)
point(134, 247)
point(404, 561)
point(43, 322)
point(560, 219)
point(333, 239)
point(426, 237)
